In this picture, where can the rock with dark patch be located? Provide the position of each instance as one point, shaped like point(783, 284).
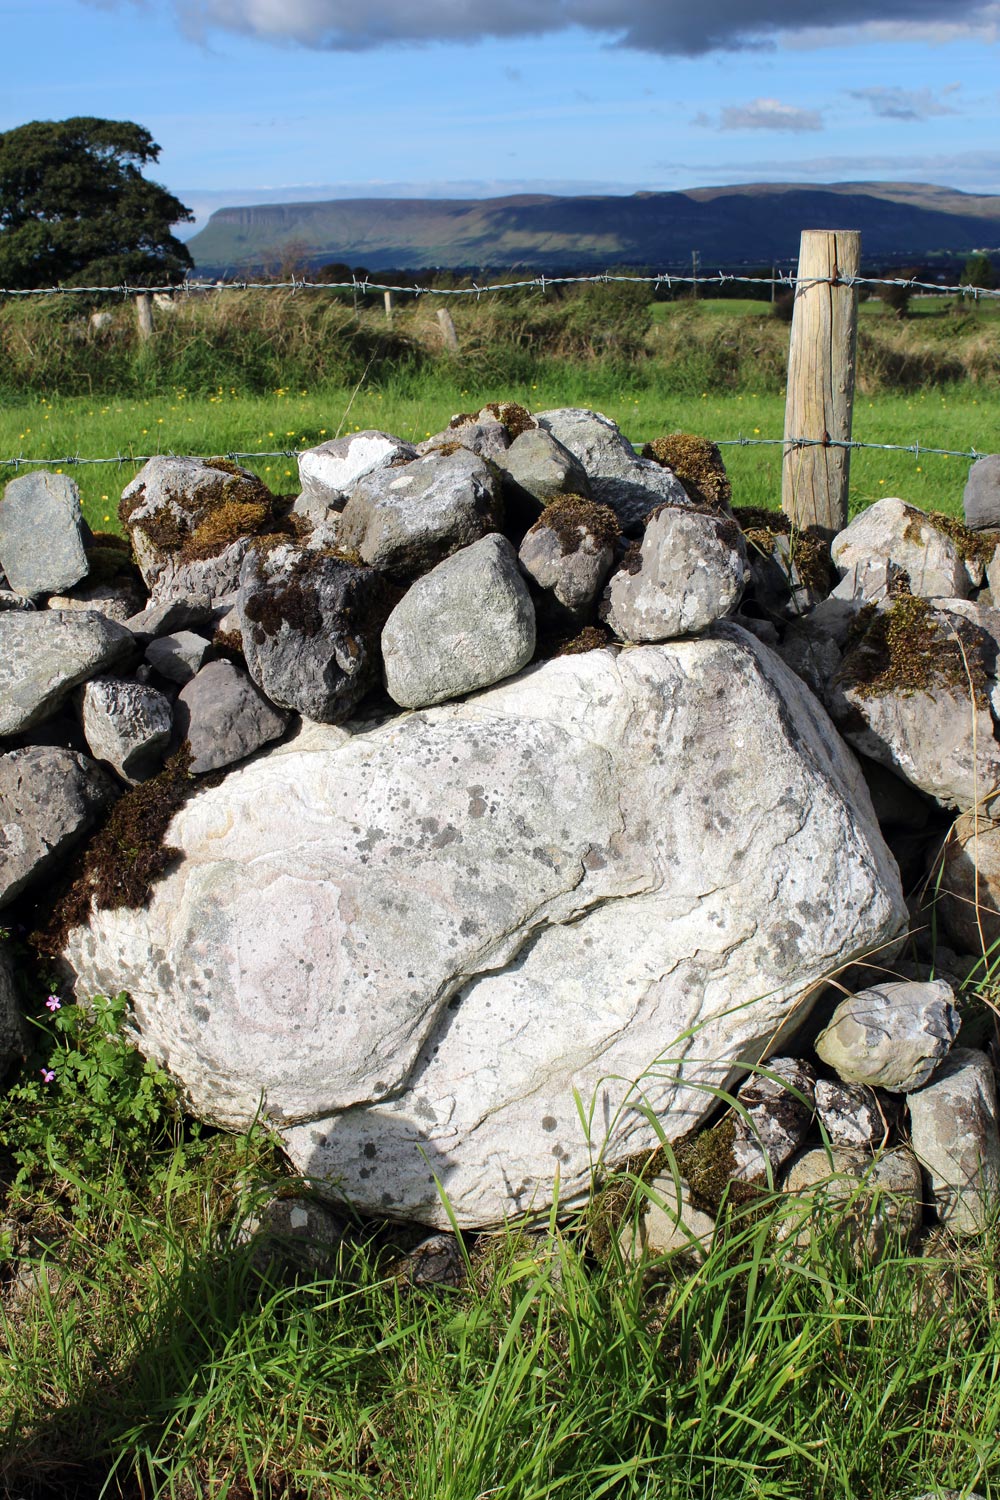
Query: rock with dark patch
point(10, 600)
point(812, 655)
point(13, 1031)
point(570, 549)
point(465, 625)
point(851, 1114)
point(329, 472)
point(778, 1107)
point(292, 1236)
point(875, 1205)
point(912, 694)
point(415, 940)
point(891, 1036)
point(777, 579)
point(634, 487)
point(436, 1261)
point(406, 520)
point(190, 521)
point(49, 798)
point(981, 499)
point(225, 717)
point(969, 888)
point(185, 612)
point(542, 467)
point(311, 623)
point(690, 570)
point(127, 725)
point(42, 534)
point(44, 654)
point(179, 656)
point(891, 534)
point(953, 1129)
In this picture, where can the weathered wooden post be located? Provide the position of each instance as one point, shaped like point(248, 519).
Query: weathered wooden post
point(447, 328)
point(144, 314)
point(819, 400)
point(388, 306)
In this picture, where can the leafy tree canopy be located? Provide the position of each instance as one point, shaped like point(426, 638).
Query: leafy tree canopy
point(75, 209)
point(979, 271)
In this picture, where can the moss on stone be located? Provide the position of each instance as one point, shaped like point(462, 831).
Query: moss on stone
point(907, 648)
point(515, 418)
point(973, 546)
point(698, 465)
point(224, 525)
point(808, 554)
point(165, 529)
point(118, 865)
point(706, 1162)
point(444, 450)
point(229, 643)
point(571, 519)
point(592, 638)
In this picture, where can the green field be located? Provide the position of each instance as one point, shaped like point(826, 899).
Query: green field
point(962, 417)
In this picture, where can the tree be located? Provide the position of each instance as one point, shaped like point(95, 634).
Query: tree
point(897, 296)
point(75, 209)
point(978, 271)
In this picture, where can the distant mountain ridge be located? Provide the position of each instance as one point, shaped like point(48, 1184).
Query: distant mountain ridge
point(748, 223)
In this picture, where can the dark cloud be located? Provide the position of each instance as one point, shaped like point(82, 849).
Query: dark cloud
point(905, 104)
point(662, 26)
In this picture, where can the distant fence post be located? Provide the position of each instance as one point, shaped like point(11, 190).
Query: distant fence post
point(144, 314)
point(447, 328)
point(819, 401)
point(388, 306)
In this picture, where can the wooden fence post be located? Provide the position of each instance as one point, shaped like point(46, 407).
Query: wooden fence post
point(447, 328)
point(144, 314)
point(819, 400)
point(388, 306)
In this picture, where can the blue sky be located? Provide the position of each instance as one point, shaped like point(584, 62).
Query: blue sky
point(253, 100)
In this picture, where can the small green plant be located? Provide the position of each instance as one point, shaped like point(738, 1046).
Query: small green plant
point(86, 1102)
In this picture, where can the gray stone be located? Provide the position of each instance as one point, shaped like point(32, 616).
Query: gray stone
point(542, 467)
point(225, 717)
point(953, 1129)
point(415, 940)
point(118, 598)
point(812, 655)
point(436, 1261)
point(891, 1036)
point(778, 1107)
point(570, 552)
point(13, 1031)
point(486, 437)
point(632, 486)
point(44, 654)
point(178, 657)
point(126, 725)
point(41, 534)
point(875, 1204)
point(180, 613)
point(466, 624)
point(981, 498)
point(329, 472)
point(851, 1114)
point(668, 1223)
point(10, 600)
point(406, 520)
point(49, 798)
point(292, 1235)
point(311, 624)
point(690, 571)
point(968, 893)
point(891, 533)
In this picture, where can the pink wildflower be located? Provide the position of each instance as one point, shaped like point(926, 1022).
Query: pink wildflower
point(53, 1003)
point(47, 1075)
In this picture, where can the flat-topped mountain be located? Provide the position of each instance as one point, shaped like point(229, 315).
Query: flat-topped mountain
point(756, 222)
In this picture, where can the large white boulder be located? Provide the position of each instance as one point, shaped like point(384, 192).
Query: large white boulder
point(417, 947)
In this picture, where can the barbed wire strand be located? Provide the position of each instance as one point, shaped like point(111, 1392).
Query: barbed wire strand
point(917, 449)
point(366, 286)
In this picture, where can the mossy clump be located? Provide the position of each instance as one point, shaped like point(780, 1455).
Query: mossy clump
point(202, 526)
point(572, 519)
point(698, 465)
point(509, 414)
point(808, 554)
point(908, 648)
point(229, 644)
point(592, 638)
point(444, 450)
point(973, 546)
point(118, 865)
point(167, 530)
point(223, 526)
point(706, 1162)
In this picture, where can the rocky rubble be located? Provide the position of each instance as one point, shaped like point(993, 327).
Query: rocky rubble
point(515, 766)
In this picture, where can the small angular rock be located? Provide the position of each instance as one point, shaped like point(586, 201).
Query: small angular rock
point(876, 1203)
point(466, 624)
point(44, 654)
point(180, 613)
point(570, 549)
point(436, 1261)
point(49, 798)
point(891, 1036)
point(668, 1224)
point(311, 623)
point(406, 520)
point(850, 1114)
point(329, 472)
point(293, 1236)
point(178, 657)
point(542, 467)
point(981, 500)
point(632, 486)
point(953, 1128)
point(42, 534)
point(690, 571)
point(127, 725)
point(224, 717)
point(774, 1120)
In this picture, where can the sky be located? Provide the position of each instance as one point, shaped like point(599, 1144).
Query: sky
point(277, 100)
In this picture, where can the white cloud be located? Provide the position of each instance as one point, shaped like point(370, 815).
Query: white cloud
point(765, 114)
point(905, 104)
point(662, 26)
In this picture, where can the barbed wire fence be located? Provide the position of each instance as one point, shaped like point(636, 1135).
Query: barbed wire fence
point(364, 286)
